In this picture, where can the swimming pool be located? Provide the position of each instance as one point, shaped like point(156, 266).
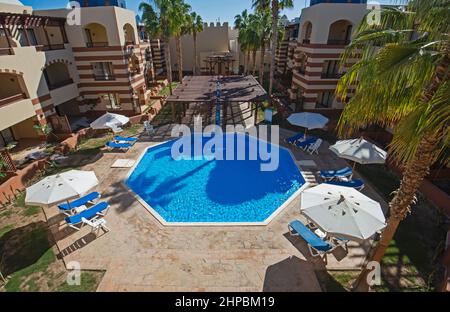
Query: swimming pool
point(212, 191)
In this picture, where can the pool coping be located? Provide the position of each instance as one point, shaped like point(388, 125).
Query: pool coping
point(161, 220)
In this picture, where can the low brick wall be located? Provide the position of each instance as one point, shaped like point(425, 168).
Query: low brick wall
point(10, 188)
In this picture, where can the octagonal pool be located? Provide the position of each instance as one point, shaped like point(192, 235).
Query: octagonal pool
point(202, 190)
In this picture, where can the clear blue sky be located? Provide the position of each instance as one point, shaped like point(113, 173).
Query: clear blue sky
point(210, 10)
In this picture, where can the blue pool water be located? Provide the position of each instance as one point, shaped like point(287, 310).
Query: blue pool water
point(210, 190)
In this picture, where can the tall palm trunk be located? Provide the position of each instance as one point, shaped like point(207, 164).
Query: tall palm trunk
point(273, 47)
point(413, 176)
point(194, 35)
point(254, 61)
point(168, 63)
point(261, 62)
point(180, 58)
point(247, 70)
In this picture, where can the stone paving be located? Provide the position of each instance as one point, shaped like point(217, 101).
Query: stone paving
point(139, 254)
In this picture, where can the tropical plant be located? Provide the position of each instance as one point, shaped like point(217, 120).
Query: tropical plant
point(276, 6)
point(180, 24)
point(265, 33)
point(401, 82)
point(241, 22)
point(157, 18)
point(195, 27)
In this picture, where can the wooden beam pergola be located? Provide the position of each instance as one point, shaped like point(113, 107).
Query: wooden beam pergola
point(218, 90)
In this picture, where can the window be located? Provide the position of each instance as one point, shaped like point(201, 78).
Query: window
point(325, 99)
point(330, 69)
point(111, 100)
point(103, 71)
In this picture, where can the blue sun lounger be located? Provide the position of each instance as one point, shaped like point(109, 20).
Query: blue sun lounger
point(124, 139)
point(295, 138)
point(88, 199)
point(335, 174)
point(356, 184)
point(77, 221)
point(317, 246)
point(122, 146)
point(305, 144)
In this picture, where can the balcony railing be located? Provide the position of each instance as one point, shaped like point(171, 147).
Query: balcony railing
point(96, 44)
point(129, 43)
point(306, 41)
point(6, 51)
point(331, 75)
point(50, 47)
point(12, 99)
point(101, 77)
point(59, 84)
point(338, 42)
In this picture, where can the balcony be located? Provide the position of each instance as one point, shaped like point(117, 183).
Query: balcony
point(50, 47)
point(96, 44)
point(306, 41)
point(104, 77)
point(59, 84)
point(12, 99)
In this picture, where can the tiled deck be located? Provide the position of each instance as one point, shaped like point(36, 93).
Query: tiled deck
point(139, 254)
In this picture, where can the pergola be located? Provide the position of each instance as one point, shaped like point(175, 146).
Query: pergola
point(221, 61)
point(218, 91)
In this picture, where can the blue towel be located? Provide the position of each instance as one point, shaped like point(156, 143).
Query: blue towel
point(87, 214)
point(118, 145)
point(344, 172)
point(294, 138)
point(311, 238)
point(123, 139)
point(79, 202)
point(357, 184)
point(306, 143)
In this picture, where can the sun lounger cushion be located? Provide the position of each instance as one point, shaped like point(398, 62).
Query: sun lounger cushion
point(87, 214)
point(118, 145)
point(305, 143)
point(357, 184)
point(344, 172)
point(80, 202)
point(294, 138)
point(124, 139)
point(310, 237)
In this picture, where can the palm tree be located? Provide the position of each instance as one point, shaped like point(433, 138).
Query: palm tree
point(157, 20)
point(195, 27)
point(402, 82)
point(241, 22)
point(253, 37)
point(265, 32)
point(277, 5)
point(180, 25)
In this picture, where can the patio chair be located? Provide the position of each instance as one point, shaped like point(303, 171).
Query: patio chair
point(66, 208)
point(121, 139)
point(122, 146)
point(338, 241)
point(305, 144)
point(295, 138)
point(314, 148)
point(94, 213)
point(356, 184)
point(336, 174)
point(317, 246)
point(148, 127)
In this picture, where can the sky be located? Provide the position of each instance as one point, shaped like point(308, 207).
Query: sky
point(209, 10)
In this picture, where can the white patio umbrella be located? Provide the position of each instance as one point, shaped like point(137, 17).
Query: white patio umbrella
point(308, 120)
point(342, 211)
point(60, 187)
point(359, 151)
point(110, 121)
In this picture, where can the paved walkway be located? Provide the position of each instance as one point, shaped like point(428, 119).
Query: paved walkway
point(139, 254)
